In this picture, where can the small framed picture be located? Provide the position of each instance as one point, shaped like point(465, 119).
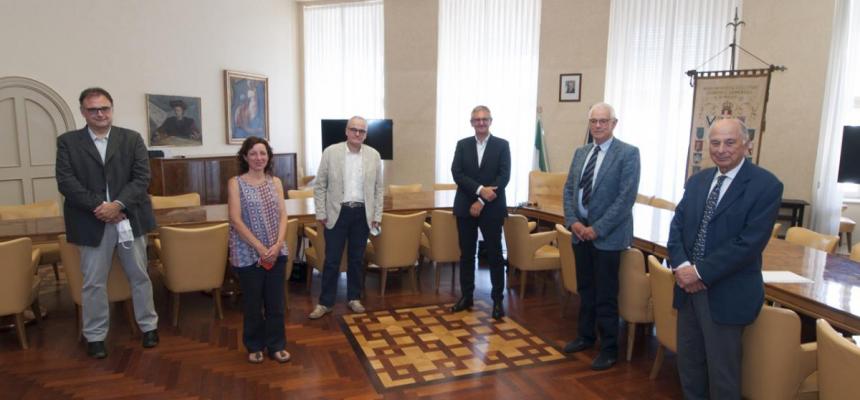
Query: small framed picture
point(570, 87)
point(247, 100)
point(174, 120)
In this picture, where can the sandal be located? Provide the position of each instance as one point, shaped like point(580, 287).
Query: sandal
point(280, 356)
point(255, 357)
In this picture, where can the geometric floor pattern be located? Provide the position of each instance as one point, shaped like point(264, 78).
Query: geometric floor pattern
point(429, 344)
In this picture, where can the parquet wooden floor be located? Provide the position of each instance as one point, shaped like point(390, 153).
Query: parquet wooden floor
point(203, 357)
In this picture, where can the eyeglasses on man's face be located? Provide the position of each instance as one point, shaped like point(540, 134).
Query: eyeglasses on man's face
point(96, 110)
point(356, 131)
point(480, 120)
point(599, 121)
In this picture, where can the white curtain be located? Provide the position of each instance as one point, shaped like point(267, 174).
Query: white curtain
point(343, 67)
point(488, 54)
point(651, 44)
point(840, 90)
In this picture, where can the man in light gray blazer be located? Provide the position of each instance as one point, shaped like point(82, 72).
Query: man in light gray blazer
point(598, 202)
point(348, 199)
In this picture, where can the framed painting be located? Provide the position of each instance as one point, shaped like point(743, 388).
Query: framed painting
point(570, 87)
point(247, 106)
point(174, 120)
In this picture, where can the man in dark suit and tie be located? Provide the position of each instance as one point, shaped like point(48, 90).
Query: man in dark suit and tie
point(103, 172)
point(481, 169)
point(720, 228)
point(598, 209)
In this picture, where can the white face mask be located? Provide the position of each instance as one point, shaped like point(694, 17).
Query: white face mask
point(124, 233)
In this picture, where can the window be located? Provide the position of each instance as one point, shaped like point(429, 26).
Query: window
point(488, 55)
point(343, 67)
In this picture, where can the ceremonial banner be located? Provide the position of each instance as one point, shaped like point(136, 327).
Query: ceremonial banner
point(740, 94)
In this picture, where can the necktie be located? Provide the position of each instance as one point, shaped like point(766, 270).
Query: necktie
point(588, 177)
point(710, 207)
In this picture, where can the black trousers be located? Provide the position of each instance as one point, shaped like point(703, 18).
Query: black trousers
point(263, 306)
point(351, 230)
point(597, 283)
point(491, 228)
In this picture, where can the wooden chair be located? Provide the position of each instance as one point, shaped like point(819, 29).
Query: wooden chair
point(643, 199)
point(19, 288)
point(665, 316)
point(838, 364)
point(444, 186)
point(292, 240)
point(41, 209)
point(411, 188)
point(300, 194)
point(846, 227)
point(855, 253)
point(529, 251)
point(305, 180)
point(567, 262)
point(192, 260)
point(315, 253)
point(397, 246)
point(634, 294)
point(181, 200)
point(118, 288)
point(775, 364)
point(662, 203)
point(810, 238)
point(777, 227)
point(546, 188)
point(440, 243)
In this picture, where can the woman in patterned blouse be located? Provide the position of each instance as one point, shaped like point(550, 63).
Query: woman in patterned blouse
point(258, 254)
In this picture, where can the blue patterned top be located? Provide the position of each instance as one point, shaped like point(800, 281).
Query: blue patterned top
point(261, 214)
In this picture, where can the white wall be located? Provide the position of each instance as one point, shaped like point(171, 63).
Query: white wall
point(137, 47)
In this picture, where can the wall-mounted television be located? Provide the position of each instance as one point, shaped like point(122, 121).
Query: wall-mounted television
point(849, 162)
point(380, 135)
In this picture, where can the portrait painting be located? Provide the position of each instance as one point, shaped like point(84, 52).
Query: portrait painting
point(570, 87)
point(173, 120)
point(247, 103)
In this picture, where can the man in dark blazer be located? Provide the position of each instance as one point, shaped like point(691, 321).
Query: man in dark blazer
point(598, 209)
point(481, 169)
point(103, 173)
point(720, 228)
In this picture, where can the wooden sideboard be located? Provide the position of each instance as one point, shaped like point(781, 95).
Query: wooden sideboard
point(208, 175)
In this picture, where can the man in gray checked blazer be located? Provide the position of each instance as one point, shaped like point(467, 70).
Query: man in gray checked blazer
point(598, 202)
point(348, 199)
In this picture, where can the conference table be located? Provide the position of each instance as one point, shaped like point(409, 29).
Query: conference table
point(833, 294)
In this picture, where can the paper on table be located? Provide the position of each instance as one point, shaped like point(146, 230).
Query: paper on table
point(783, 277)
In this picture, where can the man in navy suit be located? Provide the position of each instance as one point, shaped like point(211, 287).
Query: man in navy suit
point(720, 228)
point(481, 169)
point(598, 209)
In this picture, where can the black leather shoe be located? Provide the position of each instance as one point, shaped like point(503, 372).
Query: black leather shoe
point(498, 310)
point(96, 349)
point(577, 345)
point(603, 361)
point(464, 303)
point(150, 339)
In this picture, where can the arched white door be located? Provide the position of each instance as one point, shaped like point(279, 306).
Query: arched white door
point(32, 115)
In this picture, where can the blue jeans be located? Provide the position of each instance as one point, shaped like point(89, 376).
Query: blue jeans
point(263, 306)
point(351, 229)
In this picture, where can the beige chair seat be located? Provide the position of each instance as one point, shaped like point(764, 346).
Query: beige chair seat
point(810, 238)
point(19, 288)
point(838, 364)
point(546, 258)
point(529, 251)
point(440, 243)
point(40, 209)
point(634, 294)
point(181, 200)
point(397, 247)
point(193, 259)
